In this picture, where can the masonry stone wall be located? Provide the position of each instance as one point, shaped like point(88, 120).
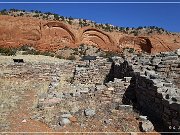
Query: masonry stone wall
point(92, 72)
point(153, 88)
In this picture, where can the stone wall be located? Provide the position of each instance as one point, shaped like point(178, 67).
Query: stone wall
point(92, 72)
point(153, 88)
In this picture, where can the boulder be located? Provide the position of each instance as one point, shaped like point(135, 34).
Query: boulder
point(147, 126)
point(89, 112)
point(178, 52)
point(64, 121)
point(156, 61)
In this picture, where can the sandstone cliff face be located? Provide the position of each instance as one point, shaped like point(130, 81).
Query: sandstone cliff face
point(51, 35)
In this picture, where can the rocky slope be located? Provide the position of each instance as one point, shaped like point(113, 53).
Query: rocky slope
point(51, 35)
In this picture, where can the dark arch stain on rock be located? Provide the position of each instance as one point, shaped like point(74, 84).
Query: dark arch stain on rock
point(63, 26)
point(87, 29)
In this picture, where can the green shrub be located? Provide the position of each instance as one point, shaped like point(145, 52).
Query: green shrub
point(62, 18)
point(56, 16)
point(24, 48)
point(4, 12)
point(35, 52)
point(109, 54)
point(98, 50)
point(36, 11)
point(47, 54)
point(66, 47)
point(60, 57)
point(131, 50)
point(32, 52)
point(75, 49)
point(37, 15)
point(45, 16)
point(72, 57)
point(175, 41)
point(21, 14)
point(8, 51)
point(69, 21)
point(29, 50)
point(135, 33)
point(24, 53)
point(13, 10)
point(76, 53)
point(48, 13)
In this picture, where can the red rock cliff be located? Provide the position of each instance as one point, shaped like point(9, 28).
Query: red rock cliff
point(47, 35)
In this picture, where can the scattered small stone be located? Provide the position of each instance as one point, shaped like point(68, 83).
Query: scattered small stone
point(24, 121)
point(107, 121)
point(111, 88)
point(127, 107)
point(82, 125)
point(143, 117)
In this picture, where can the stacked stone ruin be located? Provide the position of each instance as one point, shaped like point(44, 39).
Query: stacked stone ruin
point(148, 82)
point(92, 72)
point(154, 87)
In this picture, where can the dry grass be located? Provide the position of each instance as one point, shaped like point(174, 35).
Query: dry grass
point(31, 59)
point(12, 92)
point(41, 88)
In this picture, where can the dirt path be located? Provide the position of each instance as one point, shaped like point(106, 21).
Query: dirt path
point(20, 118)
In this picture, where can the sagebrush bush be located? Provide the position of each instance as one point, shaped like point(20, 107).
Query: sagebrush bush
point(72, 57)
point(8, 51)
